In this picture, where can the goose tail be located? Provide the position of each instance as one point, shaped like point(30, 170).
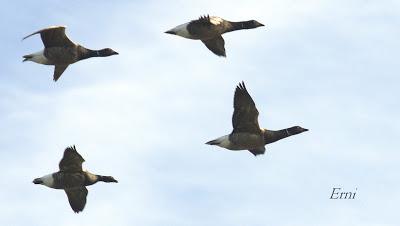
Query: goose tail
point(213, 142)
point(27, 57)
point(221, 141)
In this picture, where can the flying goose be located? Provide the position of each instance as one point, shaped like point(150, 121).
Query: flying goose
point(209, 29)
point(73, 179)
point(247, 134)
point(60, 51)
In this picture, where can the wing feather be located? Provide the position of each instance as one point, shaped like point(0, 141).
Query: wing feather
point(71, 161)
point(58, 70)
point(77, 198)
point(216, 45)
point(206, 27)
point(245, 115)
point(53, 37)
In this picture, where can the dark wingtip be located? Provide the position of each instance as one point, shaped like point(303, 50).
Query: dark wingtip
point(255, 153)
point(219, 54)
point(205, 17)
point(72, 147)
point(241, 85)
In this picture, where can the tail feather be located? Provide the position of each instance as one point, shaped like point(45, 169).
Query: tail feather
point(221, 141)
point(213, 142)
point(27, 57)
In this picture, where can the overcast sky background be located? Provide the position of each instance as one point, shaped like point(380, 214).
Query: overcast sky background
point(143, 116)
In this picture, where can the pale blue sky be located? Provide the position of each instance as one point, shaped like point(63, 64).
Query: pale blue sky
point(143, 116)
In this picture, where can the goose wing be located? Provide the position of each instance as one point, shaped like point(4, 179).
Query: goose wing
point(258, 151)
point(71, 161)
point(77, 198)
point(58, 70)
point(216, 45)
point(54, 37)
point(206, 26)
point(245, 115)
